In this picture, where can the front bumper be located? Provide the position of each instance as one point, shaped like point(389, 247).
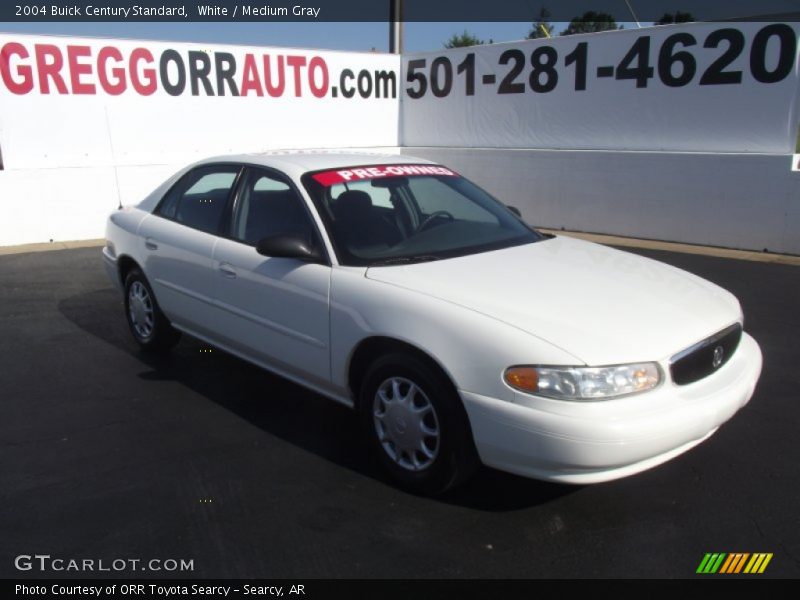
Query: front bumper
point(600, 441)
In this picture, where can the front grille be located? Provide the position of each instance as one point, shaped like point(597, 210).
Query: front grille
point(705, 357)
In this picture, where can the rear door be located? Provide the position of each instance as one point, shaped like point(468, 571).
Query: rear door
point(274, 309)
point(179, 239)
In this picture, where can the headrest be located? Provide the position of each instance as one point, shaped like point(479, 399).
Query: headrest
point(353, 204)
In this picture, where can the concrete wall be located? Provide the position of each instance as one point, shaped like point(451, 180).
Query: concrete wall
point(66, 204)
point(701, 162)
point(747, 201)
point(41, 205)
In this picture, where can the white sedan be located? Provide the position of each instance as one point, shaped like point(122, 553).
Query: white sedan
point(458, 333)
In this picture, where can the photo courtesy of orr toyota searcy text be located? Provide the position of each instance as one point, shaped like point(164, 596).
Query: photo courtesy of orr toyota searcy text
point(163, 591)
point(83, 69)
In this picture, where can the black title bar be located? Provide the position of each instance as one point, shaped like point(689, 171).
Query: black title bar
point(644, 11)
point(383, 589)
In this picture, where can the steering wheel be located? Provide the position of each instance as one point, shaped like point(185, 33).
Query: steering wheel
point(439, 214)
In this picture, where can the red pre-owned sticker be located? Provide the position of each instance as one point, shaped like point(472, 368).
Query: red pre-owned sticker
point(328, 178)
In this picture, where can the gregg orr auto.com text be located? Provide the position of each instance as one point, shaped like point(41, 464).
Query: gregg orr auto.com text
point(77, 69)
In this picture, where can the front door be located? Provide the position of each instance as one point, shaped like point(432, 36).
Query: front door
point(274, 309)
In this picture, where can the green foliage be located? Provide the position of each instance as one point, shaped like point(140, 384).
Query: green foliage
point(462, 40)
point(541, 27)
point(676, 17)
point(590, 22)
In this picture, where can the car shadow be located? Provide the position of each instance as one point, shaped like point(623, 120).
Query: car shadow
point(241, 388)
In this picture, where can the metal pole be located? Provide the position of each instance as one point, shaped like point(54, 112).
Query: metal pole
point(633, 14)
point(396, 26)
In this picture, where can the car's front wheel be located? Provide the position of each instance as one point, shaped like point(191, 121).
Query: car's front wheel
point(416, 424)
point(149, 326)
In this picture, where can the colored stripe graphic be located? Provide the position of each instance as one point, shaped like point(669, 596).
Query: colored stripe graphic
point(758, 563)
point(711, 562)
point(734, 562)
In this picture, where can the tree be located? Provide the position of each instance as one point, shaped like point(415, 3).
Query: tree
point(541, 27)
point(462, 40)
point(590, 22)
point(676, 17)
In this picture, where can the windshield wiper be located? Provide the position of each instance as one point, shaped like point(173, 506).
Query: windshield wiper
point(404, 260)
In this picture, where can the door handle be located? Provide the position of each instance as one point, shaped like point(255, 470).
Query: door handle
point(227, 270)
point(150, 244)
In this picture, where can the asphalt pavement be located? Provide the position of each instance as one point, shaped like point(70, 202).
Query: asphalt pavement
point(108, 454)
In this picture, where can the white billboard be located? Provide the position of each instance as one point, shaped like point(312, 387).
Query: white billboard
point(86, 124)
point(703, 87)
point(69, 102)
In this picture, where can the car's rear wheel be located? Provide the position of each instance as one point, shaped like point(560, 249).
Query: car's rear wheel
point(416, 424)
point(150, 328)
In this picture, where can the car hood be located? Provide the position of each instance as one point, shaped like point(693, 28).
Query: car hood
point(601, 305)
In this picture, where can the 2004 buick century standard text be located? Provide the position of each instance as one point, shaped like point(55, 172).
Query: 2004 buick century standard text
point(460, 334)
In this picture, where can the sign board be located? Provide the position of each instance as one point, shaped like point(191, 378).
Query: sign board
point(71, 102)
point(702, 87)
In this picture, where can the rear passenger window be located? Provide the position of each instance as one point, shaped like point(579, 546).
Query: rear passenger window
point(213, 183)
point(200, 198)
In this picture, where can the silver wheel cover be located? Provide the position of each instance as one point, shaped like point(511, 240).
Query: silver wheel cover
point(406, 424)
point(140, 310)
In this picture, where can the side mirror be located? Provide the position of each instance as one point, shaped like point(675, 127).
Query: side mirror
point(288, 246)
point(514, 210)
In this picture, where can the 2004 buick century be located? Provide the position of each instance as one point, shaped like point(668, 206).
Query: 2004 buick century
point(460, 334)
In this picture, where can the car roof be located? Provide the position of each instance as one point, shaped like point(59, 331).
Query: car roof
point(292, 162)
point(297, 162)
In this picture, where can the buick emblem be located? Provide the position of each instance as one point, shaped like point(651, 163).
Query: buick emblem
point(400, 425)
point(719, 354)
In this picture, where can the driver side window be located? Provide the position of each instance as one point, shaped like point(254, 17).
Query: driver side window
point(432, 195)
point(268, 206)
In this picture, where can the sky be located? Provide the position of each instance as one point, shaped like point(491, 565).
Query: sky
point(334, 36)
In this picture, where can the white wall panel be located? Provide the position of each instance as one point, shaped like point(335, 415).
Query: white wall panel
point(747, 201)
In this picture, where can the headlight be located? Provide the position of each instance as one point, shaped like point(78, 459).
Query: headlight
point(584, 383)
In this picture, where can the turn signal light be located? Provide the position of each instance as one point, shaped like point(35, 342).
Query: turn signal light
point(523, 378)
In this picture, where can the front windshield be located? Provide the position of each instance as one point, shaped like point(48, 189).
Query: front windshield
point(394, 214)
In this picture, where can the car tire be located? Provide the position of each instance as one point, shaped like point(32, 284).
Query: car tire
point(150, 328)
point(416, 425)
